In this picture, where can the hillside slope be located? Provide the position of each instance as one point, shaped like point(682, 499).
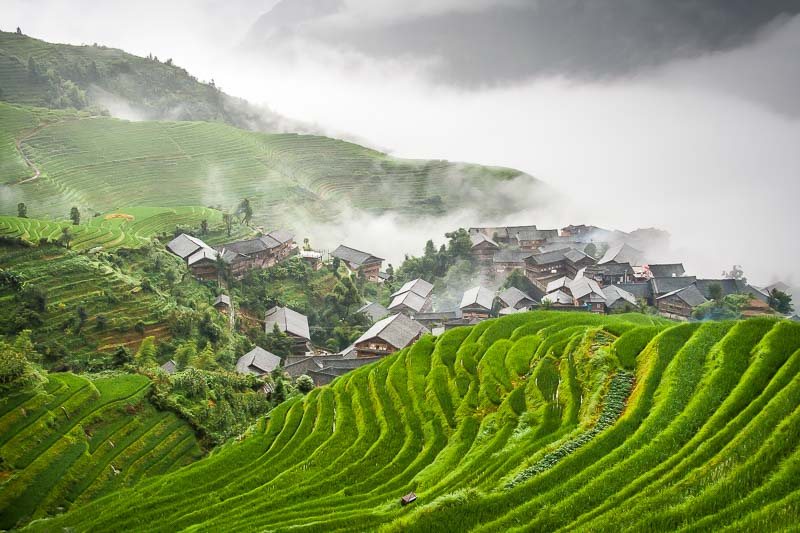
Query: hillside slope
point(103, 164)
point(77, 440)
point(539, 421)
point(38, 73)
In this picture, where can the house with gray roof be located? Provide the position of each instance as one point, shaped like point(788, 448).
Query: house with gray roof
point(661, 286)
point(666, 270)
point(530, 239)
point(358, 261)
point(170, 367)
point(185, 245)
point(222, 302)
point(292, 323)
point(611, 273)
point(389, 335)
point(516, 299)
point(559, 298)
point(418, 286)
point(374, 311)
point(483, 248)
point(505, 260)
point(257, 361)
point(409, 303)
point(680, 303)
point(619, 300)
point(622, 253)
point(477, 302)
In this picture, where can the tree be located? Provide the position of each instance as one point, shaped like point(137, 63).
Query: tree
point(227, 219)
point(735, 273)
point(245, 210)
point(459, 245)
point(19, 31)
point(279, 393)
point(278, 342)
point(520, 281)
point(66, 237)
point(304, 384)
point(306, 244)
point(185, 353)
point(206, 359)
point(204, 227)
point(715, 291)
point(780, 301)
point(591, 250)
point(22, 210)
point(75, 216)
point(146, 355)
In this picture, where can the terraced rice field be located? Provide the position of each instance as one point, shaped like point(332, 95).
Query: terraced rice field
point(129, 228)
point(540, 421)
point(79, 280)
point(79, 439)
point(106, 164)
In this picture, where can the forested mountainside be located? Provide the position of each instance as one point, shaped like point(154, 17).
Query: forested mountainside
point(543, 421)
point(42, 74)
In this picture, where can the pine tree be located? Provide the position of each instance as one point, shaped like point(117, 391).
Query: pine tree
point(206, 359)
point(146, 355)
point(184, 354)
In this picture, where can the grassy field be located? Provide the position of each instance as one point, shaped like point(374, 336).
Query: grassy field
point(78, 439)
point(104, 165)
point(540, 421)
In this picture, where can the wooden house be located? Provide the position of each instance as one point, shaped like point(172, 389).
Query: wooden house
point(587, 293)
point(505, 261)
point(374, 311)
point(514, 298)
point(610, 273)
point(665, 270)
point(483, 248)
point(622, 253)
point(529, 239)
point(363, 263)
point(222, 304)
point(680, 303)
point(619, 300)
point(388, 335)
point(477, 302)
point(576, 261)
point(542, 268)
point(258, 361)
point(260, 252)
point(293, 324)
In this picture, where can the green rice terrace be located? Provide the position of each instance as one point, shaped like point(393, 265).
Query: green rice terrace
point(543, 421)
point(104, 165)
point(78, 439)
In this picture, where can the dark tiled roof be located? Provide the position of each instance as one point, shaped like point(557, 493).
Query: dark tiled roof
point(222, 299)
point(532, 234)
point(667, 270)
point(408, 299)
point(169, 367)
point(510, 256)
point(281, 235)
point(480, 238)
point(480, 296)
point(513, 296)
point(622, 253)
point(611, 269)
point(665, 285)
point(549, 257)
point(185, 245)
point(355, 257)
point(288, 321)
point(574, 255)
point(257, 361)
point(418, 286)
point(397, 330)
point(691, 295)
point(374, 310)
point(639, 290)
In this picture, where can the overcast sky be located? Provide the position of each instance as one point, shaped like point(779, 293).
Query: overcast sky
point(682, 115)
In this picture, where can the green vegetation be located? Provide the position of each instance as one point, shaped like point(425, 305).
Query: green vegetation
point(75, 439)
point(539, 421)
point(104, 165)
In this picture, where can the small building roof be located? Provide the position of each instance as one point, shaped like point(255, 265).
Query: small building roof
point(373, 310)
point(510, 256)
point(512, 296)
point(558, 297)
point(282, 236)
point(549, 257)
point(203, 254)
point(667, 270)
point(288, 321)
point(573, 255)
point(418, 286)
point(614, 294)
point(257, 361)
point(522, 233)
point(185, 245)
point(480, 238)
point(479, 296)
point(665, 285)
point(639, 290)
point(582, 287)
point(622, 253)
point(355, 257)
point(169, 367)
point(222, 299)
point(396, 330)
point(409, 299)
point(610, 269)
point(691, 295)
point(558, 284)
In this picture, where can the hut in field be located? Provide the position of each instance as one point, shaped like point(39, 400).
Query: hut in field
point(363, 263)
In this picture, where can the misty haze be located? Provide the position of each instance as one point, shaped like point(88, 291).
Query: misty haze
point(435, 265)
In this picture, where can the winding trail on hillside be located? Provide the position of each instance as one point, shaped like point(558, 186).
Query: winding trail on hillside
point(36, 171)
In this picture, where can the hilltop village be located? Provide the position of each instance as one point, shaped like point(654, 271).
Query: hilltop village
point(516, 269)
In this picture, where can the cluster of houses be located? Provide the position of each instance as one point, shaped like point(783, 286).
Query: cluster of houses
point(582, 268)
point(596, 270)
point(238, 258)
